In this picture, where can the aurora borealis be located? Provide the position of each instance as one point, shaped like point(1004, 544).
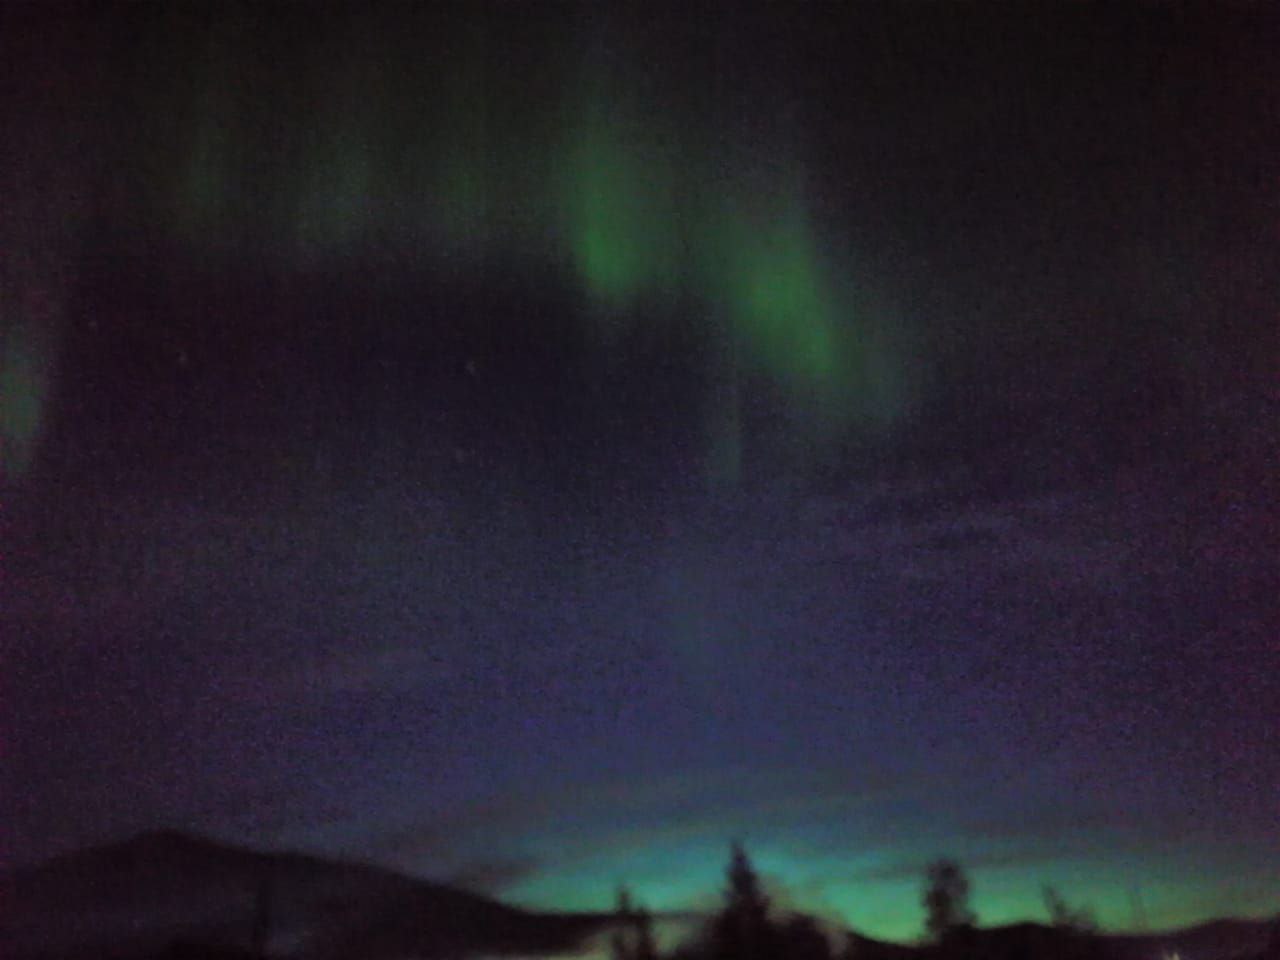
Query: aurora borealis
point(384, 148)
point(532, 451)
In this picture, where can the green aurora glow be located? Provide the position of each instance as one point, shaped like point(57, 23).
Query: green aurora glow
point(873, 893)
point(643, 206)
point(350, 147)
point(643, 214)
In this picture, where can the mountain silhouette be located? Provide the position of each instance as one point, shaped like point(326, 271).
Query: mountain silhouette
point(139, 897)
point(167, 895)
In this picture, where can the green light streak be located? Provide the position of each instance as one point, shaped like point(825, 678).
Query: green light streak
point(644, 205)
point(337, 195)
point(623, 237)
point(205, 186)
point(781, 305)
point(459, 148)
point(25, 363)
point(460, 202)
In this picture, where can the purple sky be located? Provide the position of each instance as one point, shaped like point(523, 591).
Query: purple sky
point(342, 516)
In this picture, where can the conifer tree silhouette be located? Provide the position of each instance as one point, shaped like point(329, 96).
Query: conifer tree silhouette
point(742, 930)
point(946, 901)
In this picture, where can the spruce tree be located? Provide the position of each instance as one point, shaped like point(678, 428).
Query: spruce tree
point(742, 930)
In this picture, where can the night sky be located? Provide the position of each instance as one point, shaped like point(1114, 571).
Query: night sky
point(535, 446)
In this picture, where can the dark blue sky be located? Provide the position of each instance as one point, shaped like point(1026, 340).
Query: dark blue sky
point(535, 454)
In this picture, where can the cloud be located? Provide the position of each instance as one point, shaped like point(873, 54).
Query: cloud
point(530, 809)
point(929, 533)
point(624, 820)
point(492, 877)
point(1049, 820)
point(915, 868)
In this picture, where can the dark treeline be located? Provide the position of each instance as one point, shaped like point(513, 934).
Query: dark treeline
point(747, 927)
point(367, 913)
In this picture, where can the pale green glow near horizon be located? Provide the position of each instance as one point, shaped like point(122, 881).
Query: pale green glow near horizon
point(691, 879)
